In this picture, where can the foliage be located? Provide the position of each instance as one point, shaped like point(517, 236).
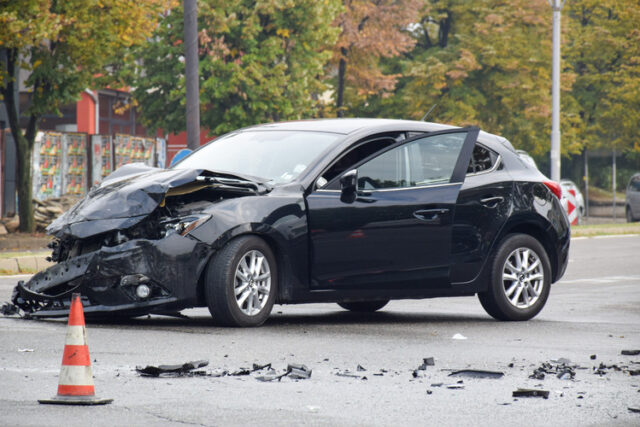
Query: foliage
point(603, 50)
point(64, 45)
point(260, 61)
point(370, 30)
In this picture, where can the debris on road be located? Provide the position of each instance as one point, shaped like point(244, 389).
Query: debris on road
point(561, 368)
point(427, 361)
point(360, 368)
point(457, 386)
point(298, 372)
point(636, 410)
point(474, 373)
point(294, 371)
point(458, 337)
point(530, 392)
point(593, 357)
point(186, 369)
point(8, 309)
point(25, 350)
point(630, 352)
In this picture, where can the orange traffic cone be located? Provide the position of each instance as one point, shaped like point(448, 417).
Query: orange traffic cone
point(75, 384)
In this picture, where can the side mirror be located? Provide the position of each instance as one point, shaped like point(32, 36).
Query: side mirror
point(349, 186)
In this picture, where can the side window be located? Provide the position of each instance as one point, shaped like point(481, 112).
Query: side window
point(481, 160)
point(429, 160)
point(353, 157)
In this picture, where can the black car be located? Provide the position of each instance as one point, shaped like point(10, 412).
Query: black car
point(352, 211)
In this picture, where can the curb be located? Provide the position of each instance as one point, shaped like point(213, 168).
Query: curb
point(23, 265)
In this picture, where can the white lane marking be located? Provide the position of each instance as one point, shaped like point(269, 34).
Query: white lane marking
point(607, 236)
point(608, 279)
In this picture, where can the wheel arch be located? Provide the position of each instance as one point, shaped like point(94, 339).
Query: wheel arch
point(536, 230)
point(274, 243)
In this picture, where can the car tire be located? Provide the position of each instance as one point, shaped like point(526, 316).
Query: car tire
point(363, 306)
point(242, 283)
point(523, 258)
point(629, 214)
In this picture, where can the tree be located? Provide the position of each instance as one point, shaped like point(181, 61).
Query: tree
point(259, 61)
point(371, 30)
point(603, 50)
point(66, 46)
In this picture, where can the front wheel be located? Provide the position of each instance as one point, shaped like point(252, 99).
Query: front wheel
point(629, 214)
point(363, 306)
point(520, 279)
point(242, 282)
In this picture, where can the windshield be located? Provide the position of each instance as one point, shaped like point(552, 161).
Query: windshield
point(278, 156)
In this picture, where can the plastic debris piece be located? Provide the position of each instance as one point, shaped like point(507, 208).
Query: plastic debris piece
point(635, 410)
point(186, 369)
point(455, 386)
point(474, 373)
point(257, 367)
point(437, 384)
point(593, 357)
point(240, 372)
point(458, 337)
point(530, 392)
point(360, 368)
point(510, 365)
point(298, 372)
point(8, 309)
point(630, 352)
point(429, 392)
point(25, 350)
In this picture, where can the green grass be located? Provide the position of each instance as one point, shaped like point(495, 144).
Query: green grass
point(602, 195)
point(11, 254)
point(605, 229)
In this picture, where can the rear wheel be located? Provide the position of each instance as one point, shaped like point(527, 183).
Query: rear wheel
point(520, 279)
point(242, 282)
point(363, 306)
point(629, 214)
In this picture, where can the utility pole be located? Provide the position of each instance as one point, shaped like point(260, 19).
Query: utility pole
point(191, 73)
point(556, 5)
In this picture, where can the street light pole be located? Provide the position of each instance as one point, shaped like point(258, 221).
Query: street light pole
point(191, 73)
point(556, 5)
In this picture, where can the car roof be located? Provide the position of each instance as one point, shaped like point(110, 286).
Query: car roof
point(347, 126)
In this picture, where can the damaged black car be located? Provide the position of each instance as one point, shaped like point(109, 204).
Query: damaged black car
point(352, 211)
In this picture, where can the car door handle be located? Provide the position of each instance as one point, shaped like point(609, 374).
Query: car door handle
point(492, 202)
point(430, 215)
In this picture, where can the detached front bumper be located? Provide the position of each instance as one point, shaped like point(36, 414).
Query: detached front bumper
point(108, 279)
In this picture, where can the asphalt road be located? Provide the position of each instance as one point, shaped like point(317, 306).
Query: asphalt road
point(594, 310)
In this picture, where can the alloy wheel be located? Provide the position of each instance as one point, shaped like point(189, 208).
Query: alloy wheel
point(523, 278)
point(252, 282)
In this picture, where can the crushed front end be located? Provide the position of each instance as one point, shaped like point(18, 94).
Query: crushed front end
point(127, 246)
point(129, 273)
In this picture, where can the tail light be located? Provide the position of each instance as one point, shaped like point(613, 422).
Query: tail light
point(555, 188)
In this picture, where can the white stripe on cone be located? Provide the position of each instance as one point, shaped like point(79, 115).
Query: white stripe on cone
point(76, 335)
point(75, 375)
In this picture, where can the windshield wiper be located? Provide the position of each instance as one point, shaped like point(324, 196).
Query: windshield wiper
point(257, 187)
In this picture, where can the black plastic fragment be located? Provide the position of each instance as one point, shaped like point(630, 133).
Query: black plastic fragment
point(361, 368)
point(474, 373)
point(561, 368)
point(630, 352)
point(635, 410)
point(529, 392)
point(186, 369)
point(593, 357)
point(8, 309)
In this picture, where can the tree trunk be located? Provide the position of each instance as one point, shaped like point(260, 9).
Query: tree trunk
point(24, 144)
point(342, 68)
point(24, 149)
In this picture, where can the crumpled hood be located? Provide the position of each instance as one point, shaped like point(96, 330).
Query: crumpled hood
point(124, 198)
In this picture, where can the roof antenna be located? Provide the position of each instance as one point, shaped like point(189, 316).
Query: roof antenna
point(430, 110)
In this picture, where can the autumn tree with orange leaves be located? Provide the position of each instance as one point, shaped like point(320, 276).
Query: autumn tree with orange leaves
point(370, 30)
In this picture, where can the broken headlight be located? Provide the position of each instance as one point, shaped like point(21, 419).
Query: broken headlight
point(183, 225)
